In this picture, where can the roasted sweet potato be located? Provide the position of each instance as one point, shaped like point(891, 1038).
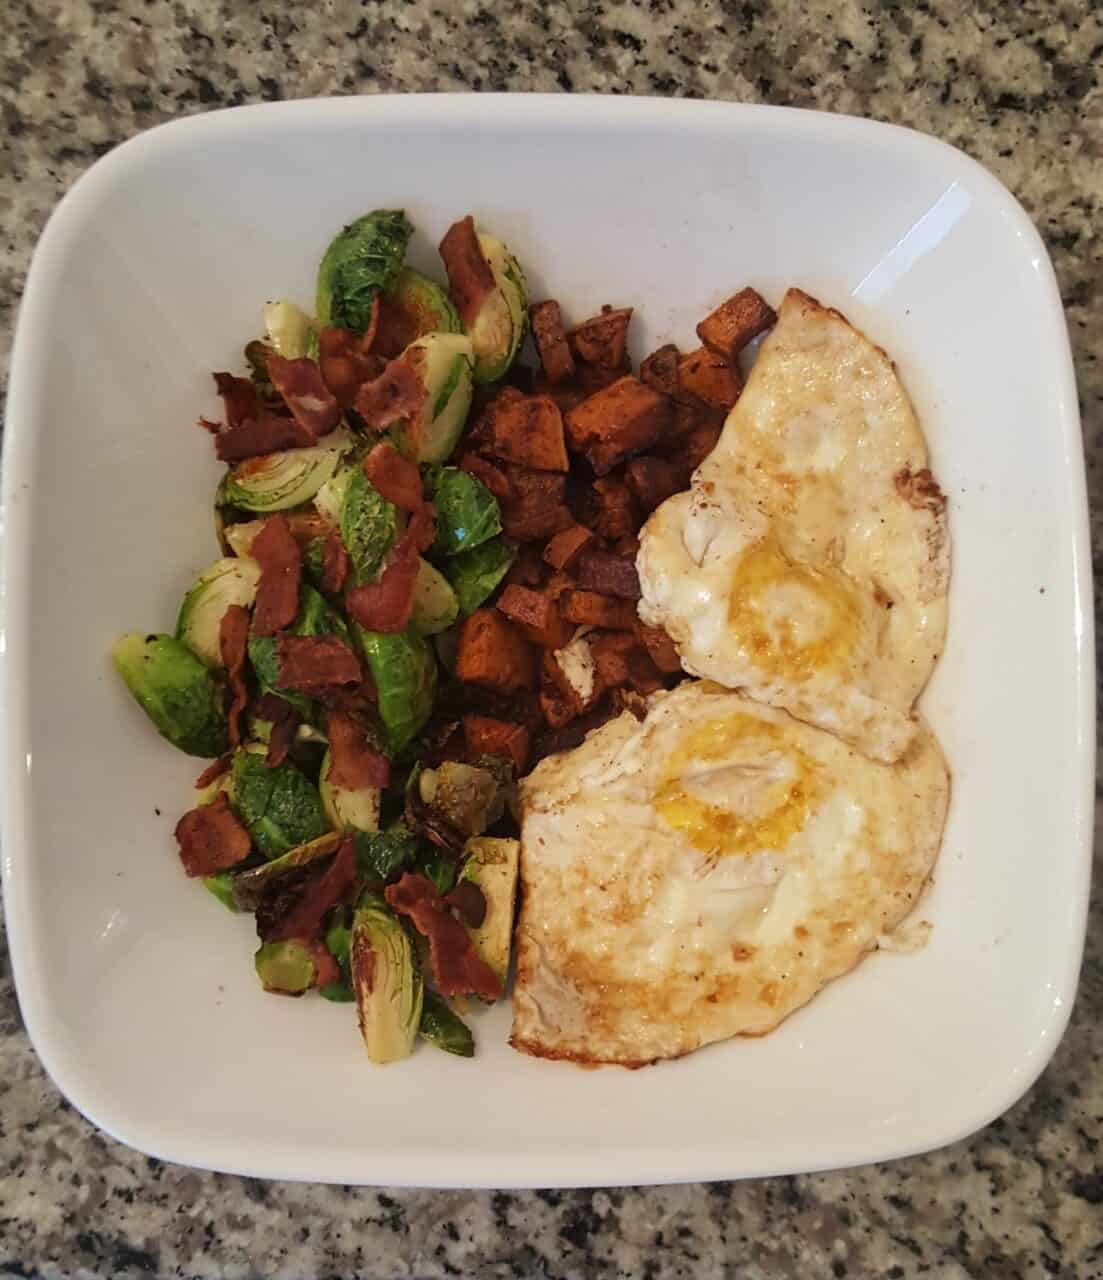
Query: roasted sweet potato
point(617, 422)
point(566, 546)
point(602, 341)
point(567, 686)
point(528, 569)
point(527, 430)
point(709, 377)
point(660, 370)
point(659, 645)
point(565, 394)
point(535, 509)
point(563, 738)
point(551, 341)
point(588, 608)
point(608, 574)
point(651, 481)
point(493, 653)
point(537, 614)
point(734, 323)
point(485, 736)
point(697, 446)
point(616, 512)
point(610, 650)
point(627, 546)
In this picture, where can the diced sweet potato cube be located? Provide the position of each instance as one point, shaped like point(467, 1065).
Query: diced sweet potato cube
point(603, 339)
point(528, 430)
point(698, 445)
point(627, 546)
point(490, 475)
point(610, 651)
point(608, 574)
point(535, 509)
point(616, 422)
point(660, 370)
point(651, 481)
point(566, 546)
point(558, 583)
point(616, 512)
point(537, 614)
point(492, 652)
point(565, 394)
point(563, 738)
point(588, 608)
point(485, 736)
point(734, 323)
point(551, 341)
point(709, 377)
point(659, 645)
point(528, 568)
point(643, 674)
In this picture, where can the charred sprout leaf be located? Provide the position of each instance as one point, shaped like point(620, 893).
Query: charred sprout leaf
point(362, 260)
point(444, 1028)
point(476, 575)
point(346, 807)
point(493, 866)
point(381, 855)
point(249, 885)
point(280, 807)
point(404, 672)
point(176, 690)
point(424, 303)
point(226, 582)
point(499, 328)
point(368, 526)
point(467, 512)
point(435, 604)
point(285, 967)
point(386, 980)
point(288, 328)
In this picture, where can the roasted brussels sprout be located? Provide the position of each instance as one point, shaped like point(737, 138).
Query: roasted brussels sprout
point(467, 512)
point(288, 328)
point(435, 604)
point(362, 260)
point(386, 980)
point(404, 671)
point(279, 481)
point(475, 575)
point(279, 806)
point(176, 690)
point(499, 328)
point(493, 866)
point(346, 807)
point(445, 362)
point(226, 582)
point(442, 1027)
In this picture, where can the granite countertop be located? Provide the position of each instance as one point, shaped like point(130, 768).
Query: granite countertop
point(1017, 85)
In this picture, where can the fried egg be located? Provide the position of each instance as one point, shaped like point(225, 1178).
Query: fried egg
point(808, 564)
point(703, 873)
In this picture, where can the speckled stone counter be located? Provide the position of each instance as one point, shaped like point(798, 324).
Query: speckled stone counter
point(1018, 87)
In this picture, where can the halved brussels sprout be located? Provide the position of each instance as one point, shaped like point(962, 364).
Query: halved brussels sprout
point(445, 362)
point(368, 526)
point(386, 980)
point(435, 604)
point(475, 575)
point(222, 887)
point(444, 1028)
point(493, 866)
point(288, 328)
point(467, 512)
point(279, 806)
point(381, 855)
point(455, 801)
point(279, 481)
point(362, 260)
point(405, 675)
point(176, 690)
point(499, 329)
point(345, 807)
point(287, 968)
point(226, 582)
point(424, 303)
point(249, 885)
point(331, 496)
point(238, 538)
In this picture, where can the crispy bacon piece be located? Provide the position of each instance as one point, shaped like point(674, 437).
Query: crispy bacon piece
point(733, 324)
point(281, 567)
point(394, 477)
point(257, 436)
point(239, 398)
point(335, 563)
point(396, 329)
point(284, 720)
point(386, 605)
point(326, 968)
point(310, 662)
point(214, 770)
point(397, 394)
point(486, 736)
point(551, 341)
point(318, 894)
point(458, 969)
point(469, 902)
point(470, 278)
point(313, 406)
point(354, 761)
point(347, 362)
point(608, 574)
point(233, 640)
point(211, 838)
point(487, 473)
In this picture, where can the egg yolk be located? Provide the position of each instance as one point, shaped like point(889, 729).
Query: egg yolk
point(772, 809)
point(793, 619)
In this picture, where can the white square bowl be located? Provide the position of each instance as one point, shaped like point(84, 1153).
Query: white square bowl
point(138, 992)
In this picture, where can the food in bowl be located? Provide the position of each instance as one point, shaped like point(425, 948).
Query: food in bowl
point(431, 582)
